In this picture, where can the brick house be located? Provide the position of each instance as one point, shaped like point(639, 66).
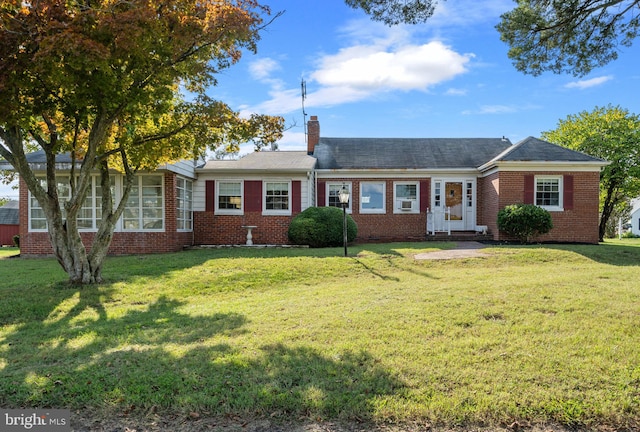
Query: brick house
point(401, 189)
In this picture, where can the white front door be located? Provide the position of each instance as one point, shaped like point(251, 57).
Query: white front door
point(453, 203)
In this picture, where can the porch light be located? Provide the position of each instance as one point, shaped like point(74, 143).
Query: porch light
point(343, 196)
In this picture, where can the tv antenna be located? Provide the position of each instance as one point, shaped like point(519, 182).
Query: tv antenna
point(303, 90)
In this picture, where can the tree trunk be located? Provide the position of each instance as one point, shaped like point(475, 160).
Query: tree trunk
point(608, 206)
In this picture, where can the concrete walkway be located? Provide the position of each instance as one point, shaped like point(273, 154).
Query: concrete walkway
point(465, 249)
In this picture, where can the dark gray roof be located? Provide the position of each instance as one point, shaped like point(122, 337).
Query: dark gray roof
point(39, 157)
point(536, 150)
point(407, 153)
point(9, 214)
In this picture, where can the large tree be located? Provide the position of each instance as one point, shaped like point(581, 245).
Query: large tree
point(572, 36)
point(613, 134)
point(117, 85)
point(393, 12)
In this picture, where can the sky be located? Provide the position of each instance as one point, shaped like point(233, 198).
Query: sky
point(449, 77)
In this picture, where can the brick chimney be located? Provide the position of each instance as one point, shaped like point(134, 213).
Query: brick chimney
point(313, 134)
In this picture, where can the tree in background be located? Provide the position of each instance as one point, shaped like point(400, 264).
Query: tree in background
point(393, 12)
point(572, 36)
point(105, 82)
point(610, 133)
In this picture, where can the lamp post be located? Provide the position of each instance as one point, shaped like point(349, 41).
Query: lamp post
point(343, 196)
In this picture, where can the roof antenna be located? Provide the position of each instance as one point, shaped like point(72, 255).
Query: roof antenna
point(303, 89)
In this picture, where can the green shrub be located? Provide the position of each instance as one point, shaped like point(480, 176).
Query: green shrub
point(629, 235)
point(321, 227)
point(524, 221)
point(16, 240)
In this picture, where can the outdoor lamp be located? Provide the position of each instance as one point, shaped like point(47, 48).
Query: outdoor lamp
point(343, 196)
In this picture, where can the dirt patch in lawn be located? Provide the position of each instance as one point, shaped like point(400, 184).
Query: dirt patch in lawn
point(467, 249)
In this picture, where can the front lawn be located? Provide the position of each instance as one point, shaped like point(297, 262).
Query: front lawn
point(530, 334)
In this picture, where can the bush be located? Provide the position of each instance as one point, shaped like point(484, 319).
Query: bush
point(524, 221)
point(16, 240)
point(321, 227)
point(629, 235)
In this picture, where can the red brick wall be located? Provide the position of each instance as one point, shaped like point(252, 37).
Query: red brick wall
point(579, 224)
point(388, 226)
point(211, 229)
point(123, 243)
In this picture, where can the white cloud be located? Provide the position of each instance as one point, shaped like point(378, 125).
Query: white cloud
point(584, 84)
point(456, 92)
point(379, 60)
point(291, 141)
point(492, 109)
point(408, 67)
point(261, 69)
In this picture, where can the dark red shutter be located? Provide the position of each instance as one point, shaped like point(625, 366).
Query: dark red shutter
point(568, 192)
point(424, 195)
point(210, 195)
point(253, 196)
point(296, 197)
point(321, 194)
point(529, 189)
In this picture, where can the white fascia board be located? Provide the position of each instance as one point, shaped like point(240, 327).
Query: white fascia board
point(244, 173)
point(402, 173)
point(253, 176)
point(553, 166)
point(183, 168)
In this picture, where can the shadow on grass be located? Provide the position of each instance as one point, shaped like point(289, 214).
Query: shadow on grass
point(77, 354)
point(605, 253)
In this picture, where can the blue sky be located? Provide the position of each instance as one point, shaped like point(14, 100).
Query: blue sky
point(450, 77)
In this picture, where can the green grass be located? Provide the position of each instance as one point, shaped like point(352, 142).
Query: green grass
point(530, 333)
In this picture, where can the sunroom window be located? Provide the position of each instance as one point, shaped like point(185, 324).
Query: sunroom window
point(144, 210)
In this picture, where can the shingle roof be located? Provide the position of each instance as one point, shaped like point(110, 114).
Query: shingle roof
point(265, 161)
point(407, 153)
point(9, 214)
point(39, 156)
point(536, 150)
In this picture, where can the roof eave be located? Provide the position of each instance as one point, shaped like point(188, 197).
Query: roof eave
point(543, 165)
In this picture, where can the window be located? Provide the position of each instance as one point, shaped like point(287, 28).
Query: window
point(333, 191)
point(276, 197)
point(229, 197)
point(469, 194)
point(549, 193)
point(37, 218)
point(372, 197)
point(90, 213)
point(144, 210)
point(406, 197)
point(184, 204)
point(437, 194)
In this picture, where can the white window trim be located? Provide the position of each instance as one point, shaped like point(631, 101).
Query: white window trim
point(397, 202)
point(560, 206)
point(181, 212)
point(266, 212)
point(119, 226)
point(162, 195)
point(349, 187)
point(220, 211)
point(90, 194)
point(383, 210)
